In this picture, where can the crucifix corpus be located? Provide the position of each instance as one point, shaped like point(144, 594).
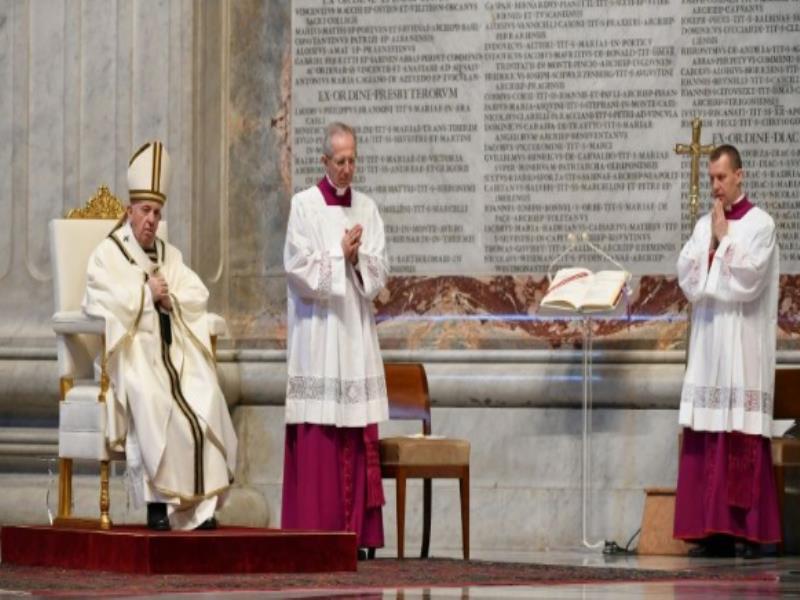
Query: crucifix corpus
point(695, 150)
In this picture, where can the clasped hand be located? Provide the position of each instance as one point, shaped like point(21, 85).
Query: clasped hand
point(351, 243)
point(160, 291)
point(719, 224)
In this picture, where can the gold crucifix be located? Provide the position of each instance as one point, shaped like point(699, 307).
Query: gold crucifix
point(695, 150)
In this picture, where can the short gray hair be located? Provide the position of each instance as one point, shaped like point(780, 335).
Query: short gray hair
point(331, 131)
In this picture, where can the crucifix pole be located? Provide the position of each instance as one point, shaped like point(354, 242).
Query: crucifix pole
point(695, 150)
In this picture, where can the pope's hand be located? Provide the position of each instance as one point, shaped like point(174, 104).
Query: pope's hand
point(160, 291)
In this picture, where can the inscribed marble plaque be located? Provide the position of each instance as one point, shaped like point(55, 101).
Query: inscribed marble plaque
point(491, 130)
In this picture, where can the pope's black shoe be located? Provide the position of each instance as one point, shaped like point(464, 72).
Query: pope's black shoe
point(157, 518)
point(209, 523)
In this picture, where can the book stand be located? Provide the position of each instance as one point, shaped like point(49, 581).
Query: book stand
point(575, 241)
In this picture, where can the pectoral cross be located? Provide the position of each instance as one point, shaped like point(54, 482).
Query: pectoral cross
point(695, 150)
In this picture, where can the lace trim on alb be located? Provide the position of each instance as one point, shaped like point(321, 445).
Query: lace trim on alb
point(715, 398)
point(727, 261)
point(326, 274)
point(373, 269)
point(694, 274)
point(331, 389)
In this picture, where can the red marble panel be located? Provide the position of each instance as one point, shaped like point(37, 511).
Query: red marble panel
point(502, 312)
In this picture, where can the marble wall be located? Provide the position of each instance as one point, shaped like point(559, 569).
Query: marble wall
point(258, 158)
point(83, 85)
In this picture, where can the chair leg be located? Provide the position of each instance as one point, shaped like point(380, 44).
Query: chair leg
point(105, 500)
point(463, 484)
point(401, 513)
point(64, 487)
point(426, 517)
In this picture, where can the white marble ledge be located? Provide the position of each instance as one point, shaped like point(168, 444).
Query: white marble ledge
point(28, 435)
point(45, 349)
point(540, 356)
point(28, 441)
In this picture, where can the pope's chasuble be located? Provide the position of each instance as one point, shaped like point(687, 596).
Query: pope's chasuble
point(334, 362)
point(166, 409)
point(733, 289)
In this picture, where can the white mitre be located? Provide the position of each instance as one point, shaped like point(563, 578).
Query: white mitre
point(148, 173)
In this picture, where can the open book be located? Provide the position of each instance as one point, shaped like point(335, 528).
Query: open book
point(581, 290)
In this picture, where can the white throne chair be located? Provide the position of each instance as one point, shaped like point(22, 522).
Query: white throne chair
point(82, 411)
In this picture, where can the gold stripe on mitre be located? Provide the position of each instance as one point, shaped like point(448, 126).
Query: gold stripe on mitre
point(157, 152)
point(138, 152)
point(135, 195)
point(160, 167)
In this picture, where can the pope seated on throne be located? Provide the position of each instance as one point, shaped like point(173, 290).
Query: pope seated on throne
point(166, 409)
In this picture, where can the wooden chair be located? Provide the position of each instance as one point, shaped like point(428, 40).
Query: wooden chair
point(421, 457)
point(786, 451)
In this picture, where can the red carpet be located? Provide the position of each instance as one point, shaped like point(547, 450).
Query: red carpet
point(139, 550)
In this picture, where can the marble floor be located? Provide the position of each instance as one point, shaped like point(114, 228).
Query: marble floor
point(619, 591)
point(773, 578)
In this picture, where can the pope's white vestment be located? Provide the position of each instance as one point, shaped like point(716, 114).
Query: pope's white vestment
point(335, 368)
point(730, 376)
point(166, 410)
